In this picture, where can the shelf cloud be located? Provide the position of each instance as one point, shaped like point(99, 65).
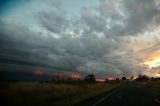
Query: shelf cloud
point(106, 38)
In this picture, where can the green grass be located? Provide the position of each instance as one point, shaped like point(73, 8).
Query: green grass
point(52, 94)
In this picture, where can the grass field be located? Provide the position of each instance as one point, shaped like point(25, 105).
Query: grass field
point(152, 83)
point(51, 94)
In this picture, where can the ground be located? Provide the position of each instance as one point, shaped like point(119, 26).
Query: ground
point(51, 94)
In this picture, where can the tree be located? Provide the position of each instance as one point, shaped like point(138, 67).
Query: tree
point(123, 78)
point(131, 77)
point(155, 79)
point(106, 80)
point(117, 79)
point(90, 78)
point(139, 76)
point(142, 78)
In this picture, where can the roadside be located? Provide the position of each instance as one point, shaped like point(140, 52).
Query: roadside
point(152, 87)
point(57, 94)
point(99, 97)
point(129, 94)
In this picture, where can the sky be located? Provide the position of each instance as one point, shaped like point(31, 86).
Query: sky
point(108, 38)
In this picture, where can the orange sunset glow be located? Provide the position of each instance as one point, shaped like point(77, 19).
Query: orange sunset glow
point(153, 59)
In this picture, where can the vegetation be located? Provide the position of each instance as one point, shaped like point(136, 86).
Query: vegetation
point(90, 78)
point(131, 78)
point(124, 78)
point(52, 94)
point(153, 83)
point(106, 80)
point(117, 79)
point(147, 81)
point(142, 78)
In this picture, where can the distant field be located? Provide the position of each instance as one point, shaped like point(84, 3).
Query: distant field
point(153, 84)
point(51, 94)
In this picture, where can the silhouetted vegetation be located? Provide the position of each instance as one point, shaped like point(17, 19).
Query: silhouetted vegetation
point(131, 77)
point(106, 80)
point(117, 79)
point(124, 78)
point(142, 78)
point(90, 78)
point(155, 79)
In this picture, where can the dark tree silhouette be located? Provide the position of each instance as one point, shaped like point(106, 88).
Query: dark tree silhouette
point(131, 77)
point(117, 79)
point(123, 78)
point(155, 79)
point(106, 80)
point(139, 76)
point(142, 78)
point(90, 78)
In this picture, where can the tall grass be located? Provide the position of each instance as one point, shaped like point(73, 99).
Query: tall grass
point(51, 94)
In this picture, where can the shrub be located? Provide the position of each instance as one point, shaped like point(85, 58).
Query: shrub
point(90, 78)
point(142, 78)
point(123, 78)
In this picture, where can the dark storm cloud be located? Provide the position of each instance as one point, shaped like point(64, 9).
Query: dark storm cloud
point(99, 42)
point(121, 17)
point(58, 24)
point(142, 13)
point(113, 19)
point(18, 45)
point(54, 19)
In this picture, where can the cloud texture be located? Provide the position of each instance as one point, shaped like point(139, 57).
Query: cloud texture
point(101, 39)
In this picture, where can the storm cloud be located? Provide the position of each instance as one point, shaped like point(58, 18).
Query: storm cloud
point(95, 40)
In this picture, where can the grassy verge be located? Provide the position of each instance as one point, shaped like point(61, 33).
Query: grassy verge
point(154, 84)
point(151, 83)
point(52, 94)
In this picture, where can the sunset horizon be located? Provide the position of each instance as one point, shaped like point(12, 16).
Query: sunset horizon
point(80, 52)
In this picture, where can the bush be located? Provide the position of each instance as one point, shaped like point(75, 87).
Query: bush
point(90, 78)
point(142, 78)
point(155, 79)
point(106, 80)
point(123, 78)
point(117, 79)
